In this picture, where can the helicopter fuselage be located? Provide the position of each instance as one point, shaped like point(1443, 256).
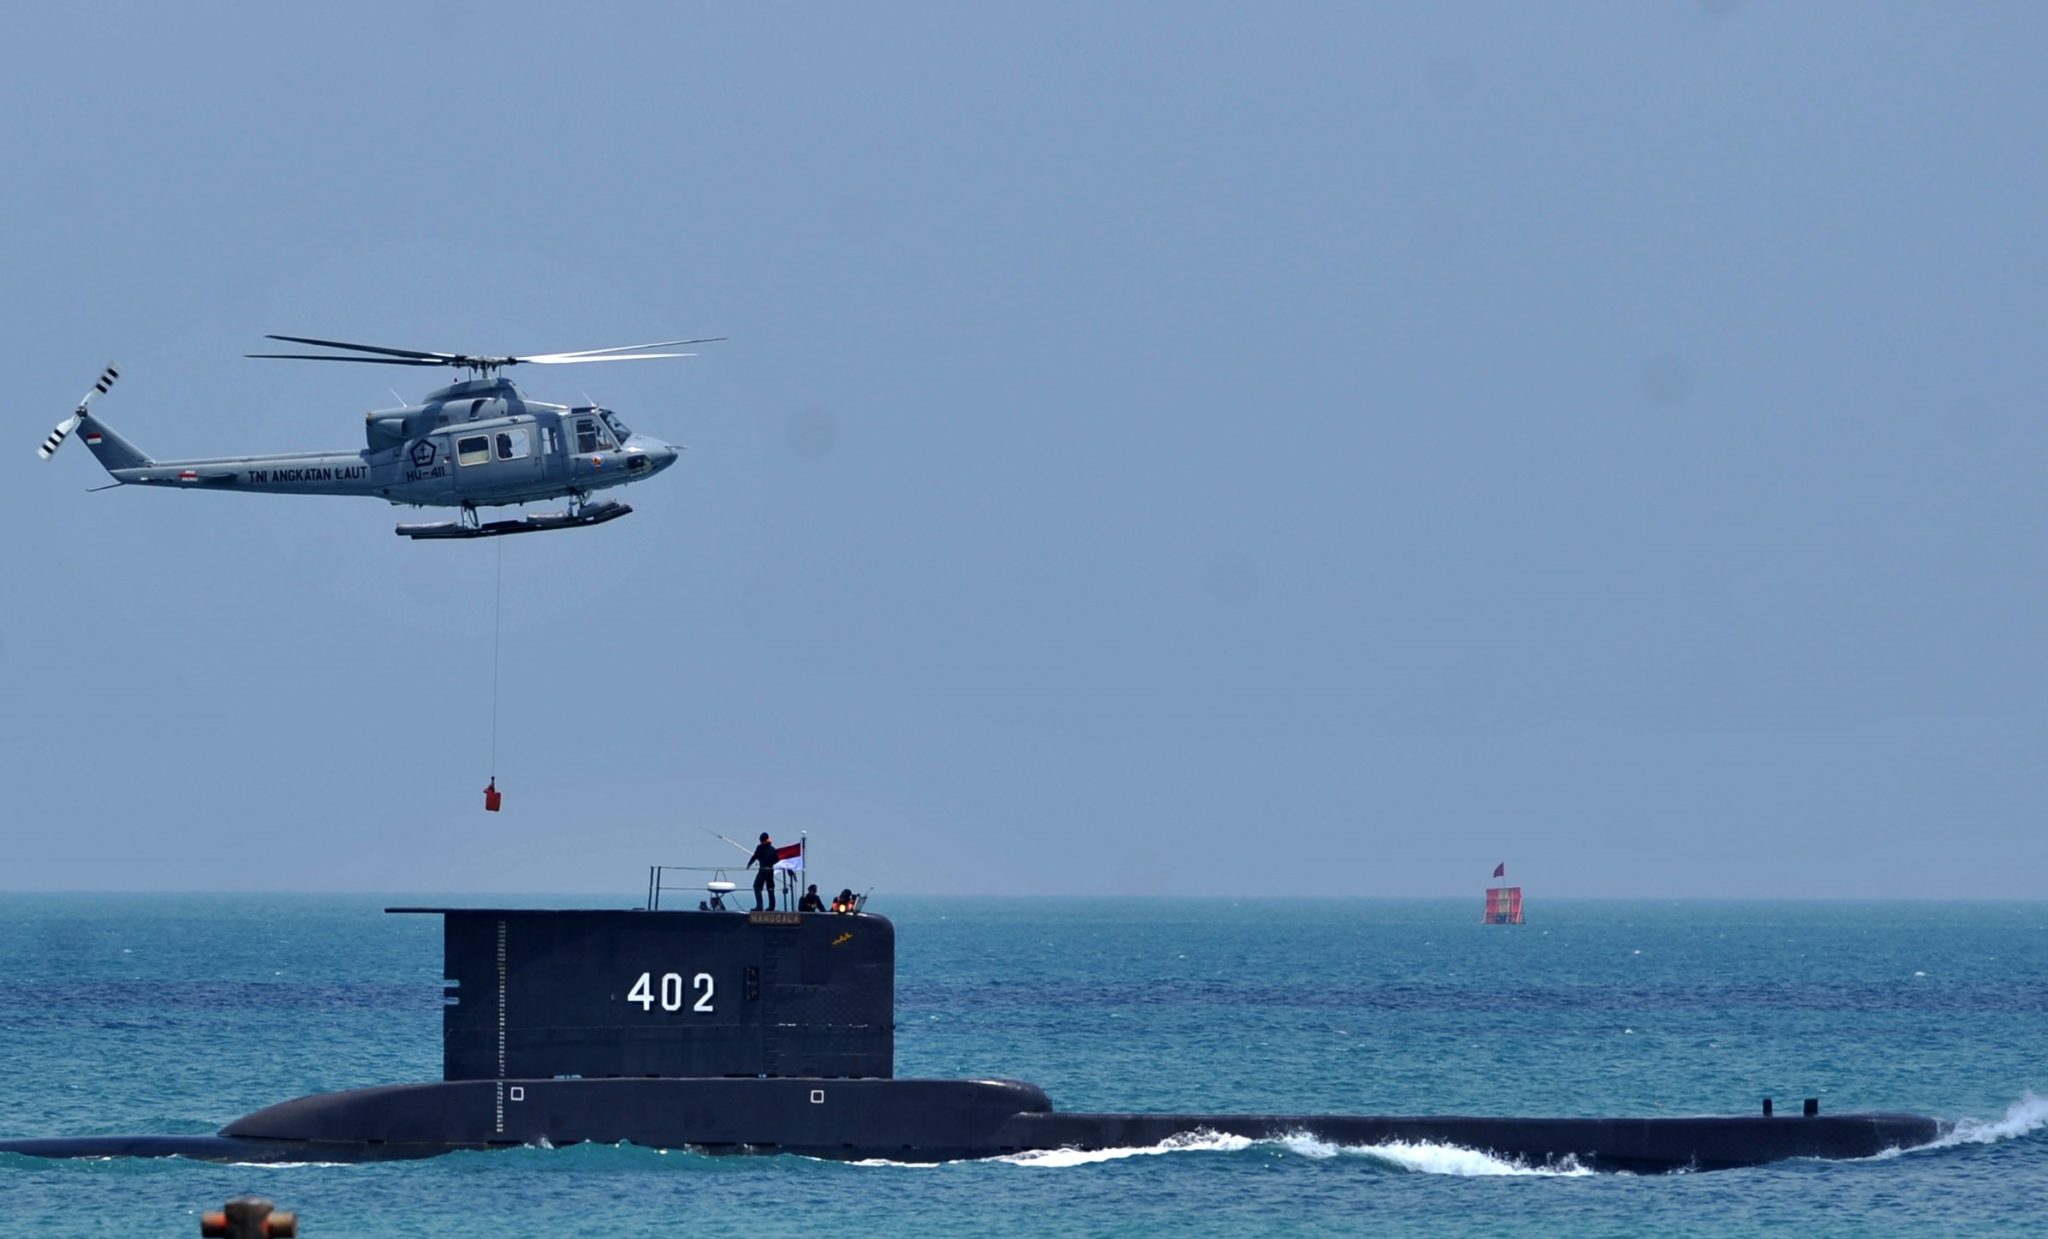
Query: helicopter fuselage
point(471, 444)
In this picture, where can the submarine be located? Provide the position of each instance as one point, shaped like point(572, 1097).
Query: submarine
point(774, 1032)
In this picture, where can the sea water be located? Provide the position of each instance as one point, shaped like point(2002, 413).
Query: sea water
point(177, 1013)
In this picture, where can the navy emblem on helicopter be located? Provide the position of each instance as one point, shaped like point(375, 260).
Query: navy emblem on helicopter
point(423, 453)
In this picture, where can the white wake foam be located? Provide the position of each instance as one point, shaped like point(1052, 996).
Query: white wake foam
point(1185, 1142)
point(1419, 1158)
point(2022, 1118)
point(1423, 1158)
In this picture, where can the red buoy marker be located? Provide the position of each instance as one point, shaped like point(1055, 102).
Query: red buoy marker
point(492, 796)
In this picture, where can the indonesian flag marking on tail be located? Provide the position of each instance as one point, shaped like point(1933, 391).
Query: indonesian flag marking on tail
point(187, 475)
point(92, 437)
point(790, 858)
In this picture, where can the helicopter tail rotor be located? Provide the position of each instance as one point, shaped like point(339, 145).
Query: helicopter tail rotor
point(64, 428)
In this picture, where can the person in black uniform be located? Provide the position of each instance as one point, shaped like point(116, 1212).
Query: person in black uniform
point(810, 902)
point(764, 856)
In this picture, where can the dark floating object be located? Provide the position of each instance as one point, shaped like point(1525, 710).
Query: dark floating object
point(249, 1217)
point(774, 1032)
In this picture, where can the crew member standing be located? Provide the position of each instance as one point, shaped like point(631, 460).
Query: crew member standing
point(764, 856)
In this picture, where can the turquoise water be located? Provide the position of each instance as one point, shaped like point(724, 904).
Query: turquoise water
point(177, 1013)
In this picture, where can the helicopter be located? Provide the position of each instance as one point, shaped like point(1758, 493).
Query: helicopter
point(475, 443)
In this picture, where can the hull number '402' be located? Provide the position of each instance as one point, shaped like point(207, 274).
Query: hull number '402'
point(671, 983)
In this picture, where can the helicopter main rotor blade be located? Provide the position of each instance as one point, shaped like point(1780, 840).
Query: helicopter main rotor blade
point(360, 348)
point(627, 348)
point(475, 363)
point(559, 360)
point(375, 361)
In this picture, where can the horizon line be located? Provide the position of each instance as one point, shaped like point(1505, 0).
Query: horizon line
point(1238, 896)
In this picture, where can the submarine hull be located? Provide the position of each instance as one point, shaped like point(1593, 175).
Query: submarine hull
point(911, 1120)
point(774, 1032)
point(931, 1121)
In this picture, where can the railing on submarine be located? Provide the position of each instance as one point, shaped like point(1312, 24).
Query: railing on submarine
point(788, 884)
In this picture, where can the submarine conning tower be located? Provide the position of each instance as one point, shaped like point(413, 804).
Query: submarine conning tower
point(591, 993)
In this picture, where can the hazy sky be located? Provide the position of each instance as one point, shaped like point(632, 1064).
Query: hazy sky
point(1169, 448)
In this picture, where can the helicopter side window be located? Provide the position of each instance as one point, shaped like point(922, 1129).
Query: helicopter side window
point(587, 435)
point(551, 441)
point(513, 445)
point(475, 450)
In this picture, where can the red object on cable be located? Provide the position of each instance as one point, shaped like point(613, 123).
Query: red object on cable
point(492, 796)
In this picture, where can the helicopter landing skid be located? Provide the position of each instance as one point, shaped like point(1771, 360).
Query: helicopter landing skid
point(536, 522)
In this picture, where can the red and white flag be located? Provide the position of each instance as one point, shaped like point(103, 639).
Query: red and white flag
point(791, 857)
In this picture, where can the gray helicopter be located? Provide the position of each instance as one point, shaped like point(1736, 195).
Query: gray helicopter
point(473, 444)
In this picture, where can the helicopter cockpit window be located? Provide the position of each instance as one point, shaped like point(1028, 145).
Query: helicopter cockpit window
point(590, 435)
point(474, 450)
point(513, 445)
point(618, 425)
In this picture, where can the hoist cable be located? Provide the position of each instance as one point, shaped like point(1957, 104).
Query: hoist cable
point(497, 629)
